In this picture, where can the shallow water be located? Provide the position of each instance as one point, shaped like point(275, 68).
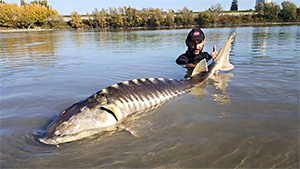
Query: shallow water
point(246, 118)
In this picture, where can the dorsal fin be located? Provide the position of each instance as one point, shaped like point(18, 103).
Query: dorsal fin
point(200, 67)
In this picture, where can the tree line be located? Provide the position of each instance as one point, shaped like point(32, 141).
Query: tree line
point(40, 14)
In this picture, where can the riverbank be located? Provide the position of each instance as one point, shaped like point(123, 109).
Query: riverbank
point(160, 27)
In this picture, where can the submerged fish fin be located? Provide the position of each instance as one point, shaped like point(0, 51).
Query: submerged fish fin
point(200, 67)
point(127, 129)
point(224, 54)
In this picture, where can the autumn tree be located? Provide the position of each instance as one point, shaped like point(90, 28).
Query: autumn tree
point(36, 14)
point(76, 21)
point(22, 3)
point(43, 3)
point(9, 14)
point(99, 18)
point(25, 16)
point(132, 17)
point(116, 20)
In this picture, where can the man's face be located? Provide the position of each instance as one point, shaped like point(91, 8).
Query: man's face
point(196, 46)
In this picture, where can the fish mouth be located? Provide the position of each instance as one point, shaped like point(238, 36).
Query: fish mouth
point(48, 141)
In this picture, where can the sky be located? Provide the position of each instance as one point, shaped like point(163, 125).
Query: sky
point(66, 7)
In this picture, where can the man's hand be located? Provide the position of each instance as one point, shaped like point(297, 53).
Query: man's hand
point(214, 53)
point(190, 65)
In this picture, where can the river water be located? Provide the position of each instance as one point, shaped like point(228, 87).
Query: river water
point(246, 118)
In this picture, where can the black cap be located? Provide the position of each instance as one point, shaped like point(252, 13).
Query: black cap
point(195, 34)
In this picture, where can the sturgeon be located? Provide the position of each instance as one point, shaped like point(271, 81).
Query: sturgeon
point(107, 107)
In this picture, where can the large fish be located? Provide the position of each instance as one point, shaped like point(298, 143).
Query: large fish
point(104, 109)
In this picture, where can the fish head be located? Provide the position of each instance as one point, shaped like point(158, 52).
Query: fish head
point(77, 122)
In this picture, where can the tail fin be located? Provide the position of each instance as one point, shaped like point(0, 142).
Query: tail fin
point(223, 54)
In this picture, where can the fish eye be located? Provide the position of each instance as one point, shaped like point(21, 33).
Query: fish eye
point(57, 133)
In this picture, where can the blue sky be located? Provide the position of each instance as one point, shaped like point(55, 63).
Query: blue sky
point(66, 7)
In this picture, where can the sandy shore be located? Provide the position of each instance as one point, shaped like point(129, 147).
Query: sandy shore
point(23, 30)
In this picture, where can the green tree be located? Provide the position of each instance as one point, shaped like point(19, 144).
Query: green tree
point(158, 17)
point(145, 14)
point(76, 21)
point(260, 8)
point(137, 17)
point(187, 17)
point(271, 11)
point(169, 19)
point(268, 11)
point(205, 17)
point(208, 17)
point(234, 5)
point(152, 17)
point(289, 11)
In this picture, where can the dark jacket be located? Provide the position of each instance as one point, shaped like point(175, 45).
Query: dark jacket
point(190, 58)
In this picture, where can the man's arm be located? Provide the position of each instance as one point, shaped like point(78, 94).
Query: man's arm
point(183, 61)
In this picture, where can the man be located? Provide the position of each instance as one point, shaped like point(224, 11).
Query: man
point(195, 42)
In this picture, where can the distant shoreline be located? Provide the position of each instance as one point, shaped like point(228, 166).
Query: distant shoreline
point(161, 27)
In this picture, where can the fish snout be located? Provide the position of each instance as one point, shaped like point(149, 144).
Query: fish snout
point(48, 141)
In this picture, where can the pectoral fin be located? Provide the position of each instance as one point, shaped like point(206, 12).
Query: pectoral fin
point(114, 110)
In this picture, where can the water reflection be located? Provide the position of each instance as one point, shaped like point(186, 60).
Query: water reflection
point(25, 51)
point(259, 40)
point(78, 37)
point(220, 83)
point(29, 45)
point(135, 40)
